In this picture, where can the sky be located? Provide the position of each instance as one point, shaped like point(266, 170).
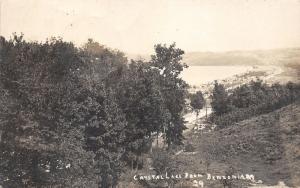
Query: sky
point(135, 26)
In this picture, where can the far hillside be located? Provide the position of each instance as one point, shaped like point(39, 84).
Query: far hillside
point(257, 57)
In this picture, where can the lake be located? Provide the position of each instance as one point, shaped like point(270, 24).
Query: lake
point(197, 75)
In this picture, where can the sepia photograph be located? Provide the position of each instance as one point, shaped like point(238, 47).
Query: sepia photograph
point(149, 93)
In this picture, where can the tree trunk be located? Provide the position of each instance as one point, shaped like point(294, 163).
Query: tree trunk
point(157, 139)
point(206, 112)
point(137, 163)
point(34, 167)
point(132, 165)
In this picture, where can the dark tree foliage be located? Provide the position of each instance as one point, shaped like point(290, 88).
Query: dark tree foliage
point(173, 89)
point(219, 98)
point(197, 101)
point(70, 117)
point(62, 126)
point(142, 102)
point(41, 136)
point(253, 99)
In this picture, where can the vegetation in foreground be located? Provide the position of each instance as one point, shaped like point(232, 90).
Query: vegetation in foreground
point(267, 146)
point(76, 117)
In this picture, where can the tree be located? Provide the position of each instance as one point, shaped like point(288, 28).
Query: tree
point(173, 89)
point(55, 114)
point(197, 101)
point(219, 103)
point(251, 99)
point(141, 101)
point(60, 103)
point(42, 141)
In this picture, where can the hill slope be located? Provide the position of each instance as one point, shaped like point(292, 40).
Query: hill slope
point(267, 146)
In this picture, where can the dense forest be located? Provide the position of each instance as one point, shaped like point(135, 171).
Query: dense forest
point(75, 117)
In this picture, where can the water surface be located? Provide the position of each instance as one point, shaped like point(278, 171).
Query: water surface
point(197, 75)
